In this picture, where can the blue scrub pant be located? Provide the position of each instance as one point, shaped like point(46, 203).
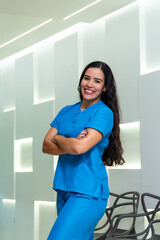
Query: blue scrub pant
point(78, 215)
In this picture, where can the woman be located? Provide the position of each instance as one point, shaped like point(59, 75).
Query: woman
point(86, 136)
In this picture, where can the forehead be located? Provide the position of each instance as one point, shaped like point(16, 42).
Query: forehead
point(95, 72)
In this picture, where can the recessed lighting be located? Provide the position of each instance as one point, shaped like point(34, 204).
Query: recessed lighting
point(9, 201)
point(25, 33)
point(8, 109)
point(56, 37)
point(126, 167)
point(44, 203)
point(130, 125)
point(82, 9)
point(23, 155)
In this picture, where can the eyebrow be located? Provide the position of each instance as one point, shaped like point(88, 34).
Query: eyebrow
point(94, 78)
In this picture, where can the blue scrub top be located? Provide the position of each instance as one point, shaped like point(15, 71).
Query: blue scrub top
point(84, 173)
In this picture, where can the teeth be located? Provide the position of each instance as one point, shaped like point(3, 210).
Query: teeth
point(89, 91)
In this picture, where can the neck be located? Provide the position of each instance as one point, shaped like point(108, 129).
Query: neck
point(85, 104)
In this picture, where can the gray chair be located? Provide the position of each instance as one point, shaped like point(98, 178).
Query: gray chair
point(150, 215)
point(126, 203)
point(151, 225)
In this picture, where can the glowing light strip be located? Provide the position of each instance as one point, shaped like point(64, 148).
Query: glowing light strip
point(53, 38)
point(24, 140)
point(82, 9)
point(37, 205)
point(55, 161)
point(24, 170)
point(118, 11)
point(146, 70)
point(9, 109)
point(13, 201)
point(45, 203)
point(23, 34)
point(127, 167)
point(17, 155)
point(38, 101)
point(130, 125)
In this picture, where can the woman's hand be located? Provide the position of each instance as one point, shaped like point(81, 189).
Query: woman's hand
point(83, 134)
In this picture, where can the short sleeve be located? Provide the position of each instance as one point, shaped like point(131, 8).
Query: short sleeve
point(56, 120)
point(102, 120)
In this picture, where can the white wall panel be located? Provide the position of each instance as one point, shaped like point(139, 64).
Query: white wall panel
point(66, 71)
point(43, 170)
point(120, 181)
point(150, 134)
point(130, 137)
point(7, 154)
point(1, 91)
point(24, 211)
point(7, 86)
point(23, 155)
point(45, 216)
point(122, 54)
point(94, 45)
point(150, 35)
point(7, 210)
point(24, 95)
point(43, 69)
point(52, 71)
point(124, 180)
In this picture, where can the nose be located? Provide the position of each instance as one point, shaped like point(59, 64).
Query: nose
point(90, 83)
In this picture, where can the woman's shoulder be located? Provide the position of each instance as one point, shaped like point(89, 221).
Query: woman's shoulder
point(102, 107)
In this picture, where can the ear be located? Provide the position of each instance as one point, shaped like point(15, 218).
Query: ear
point(104, 89)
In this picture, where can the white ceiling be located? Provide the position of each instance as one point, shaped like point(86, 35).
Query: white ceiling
point(19, 16)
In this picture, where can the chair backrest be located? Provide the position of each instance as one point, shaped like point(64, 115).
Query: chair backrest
point(150, 214)
point(118, 202)
point(148, 197)
point(150, 226)
point(121, 202)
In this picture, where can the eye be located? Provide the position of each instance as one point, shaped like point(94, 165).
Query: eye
point(97, 81)
point(86, 78)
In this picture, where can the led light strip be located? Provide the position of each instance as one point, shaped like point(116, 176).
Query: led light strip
point(130, 125)
point(17, 155)
point(8, 109)
point(56, 37)
point(126, 167)
point(9, 201)
point(44, 203)
point(82, 9)
point(23, 34)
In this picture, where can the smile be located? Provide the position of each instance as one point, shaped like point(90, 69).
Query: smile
point(87, 91)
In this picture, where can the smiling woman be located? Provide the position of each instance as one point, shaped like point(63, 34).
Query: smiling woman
point(86, 136)
point(92, 86)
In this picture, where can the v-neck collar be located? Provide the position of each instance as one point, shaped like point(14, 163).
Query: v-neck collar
point(90, 107)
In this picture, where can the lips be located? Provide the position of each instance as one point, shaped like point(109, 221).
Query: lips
point(88, 91)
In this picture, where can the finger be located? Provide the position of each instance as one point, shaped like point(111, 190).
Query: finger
point(82, 136)
point(84, 131)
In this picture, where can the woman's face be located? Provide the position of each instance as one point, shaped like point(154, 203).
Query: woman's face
point(93, 84)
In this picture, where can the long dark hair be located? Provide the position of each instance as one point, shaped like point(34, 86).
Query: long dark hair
point(113, 153)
